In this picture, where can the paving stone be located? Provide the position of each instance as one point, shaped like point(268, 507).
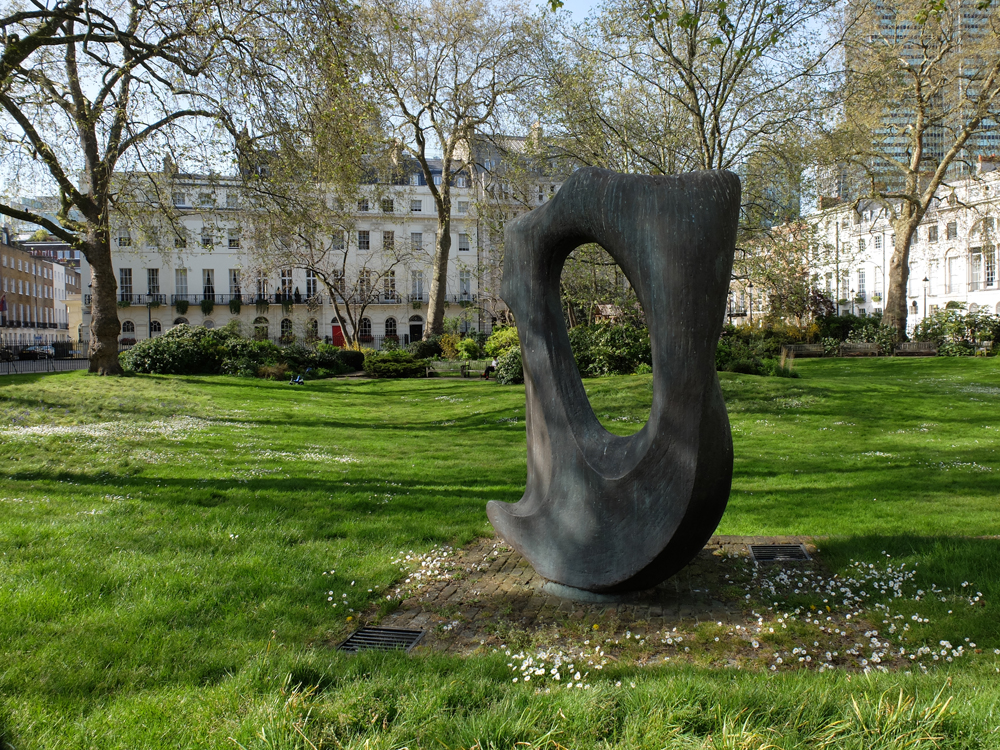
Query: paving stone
point(507, 593)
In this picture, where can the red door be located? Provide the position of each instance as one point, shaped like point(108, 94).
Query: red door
point(338, 335)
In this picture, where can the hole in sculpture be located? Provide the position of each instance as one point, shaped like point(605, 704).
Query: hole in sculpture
point(607, 330)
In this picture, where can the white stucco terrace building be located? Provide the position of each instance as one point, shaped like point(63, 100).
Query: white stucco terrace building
point(195, 272)
point(953, 257)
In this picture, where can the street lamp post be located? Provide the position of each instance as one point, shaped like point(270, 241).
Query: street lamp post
point(852, 302)
point(750, 287)
point(927, 285)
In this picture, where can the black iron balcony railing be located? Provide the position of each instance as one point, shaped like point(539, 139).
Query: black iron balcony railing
point(131, 299)
point(277, 298)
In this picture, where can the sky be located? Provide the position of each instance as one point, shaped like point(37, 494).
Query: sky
point(578, 8)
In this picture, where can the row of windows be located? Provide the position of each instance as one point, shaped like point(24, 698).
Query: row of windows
point(27, 287)
point(206, 239)
point(984, 228)
point(976, 273)
point(35, 269)
point(388, 206)
point(32, 314)
point(286, 286)
point(364, 237)
point(234, 240)
point(207, 199)
point(208, 281)
point(204, 199)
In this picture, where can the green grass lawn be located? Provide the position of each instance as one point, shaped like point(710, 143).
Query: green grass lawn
point(168, 546)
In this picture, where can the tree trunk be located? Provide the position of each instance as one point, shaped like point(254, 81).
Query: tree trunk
point(439, 279)
point(899, 275)
point(104, 323)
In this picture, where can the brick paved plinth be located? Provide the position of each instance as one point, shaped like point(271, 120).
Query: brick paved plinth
point(487, 593)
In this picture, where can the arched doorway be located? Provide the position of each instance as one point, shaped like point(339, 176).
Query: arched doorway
point(260, 329)
point(416, 328)
point(336, 333)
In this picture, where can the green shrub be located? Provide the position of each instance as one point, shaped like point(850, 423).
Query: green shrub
point(644, 369)
point(329, 357)
point(873, 331)
point(321, 373)
point(509, 369)
point(182, 306)
point(207, 305)
point(956, 349)
point(352, 358)
point(503, 339)
point(468, 348)
point(193, 350)
point(756, 351)
point(838, 326)
point(480, 339)
point(747, 366)
point(245, 357)
point(619, 349)
point(393, 364)
point(183, 350)
point(581, 340)
point(610, 349)
point(449, 345)
point(425, 348)
point(299, 357)
point(234, 305)
point(964, 330)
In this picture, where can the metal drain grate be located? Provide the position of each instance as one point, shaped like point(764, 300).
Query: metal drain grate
point(778, 552)
point(381, 639)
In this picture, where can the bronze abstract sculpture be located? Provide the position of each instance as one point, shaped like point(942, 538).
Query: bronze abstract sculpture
point(600, 512)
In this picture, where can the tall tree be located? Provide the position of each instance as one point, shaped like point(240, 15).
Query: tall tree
point(923, 87)
point(667, 86)
point(317, 151)
point(671, 86)
point(439, 71)
point(89, 88)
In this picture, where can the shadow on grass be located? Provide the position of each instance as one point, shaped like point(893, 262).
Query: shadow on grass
point(320, 508)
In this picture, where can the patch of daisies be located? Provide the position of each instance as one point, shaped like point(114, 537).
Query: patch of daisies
point(832, 632)
point(838, 630)
point(422, 569)
point(344, 601)
point(567, 667)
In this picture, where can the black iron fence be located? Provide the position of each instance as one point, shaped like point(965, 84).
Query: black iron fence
point(54, 357)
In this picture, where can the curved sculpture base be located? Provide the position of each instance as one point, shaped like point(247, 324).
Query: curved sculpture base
point(582, 595)
point(611, 514)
